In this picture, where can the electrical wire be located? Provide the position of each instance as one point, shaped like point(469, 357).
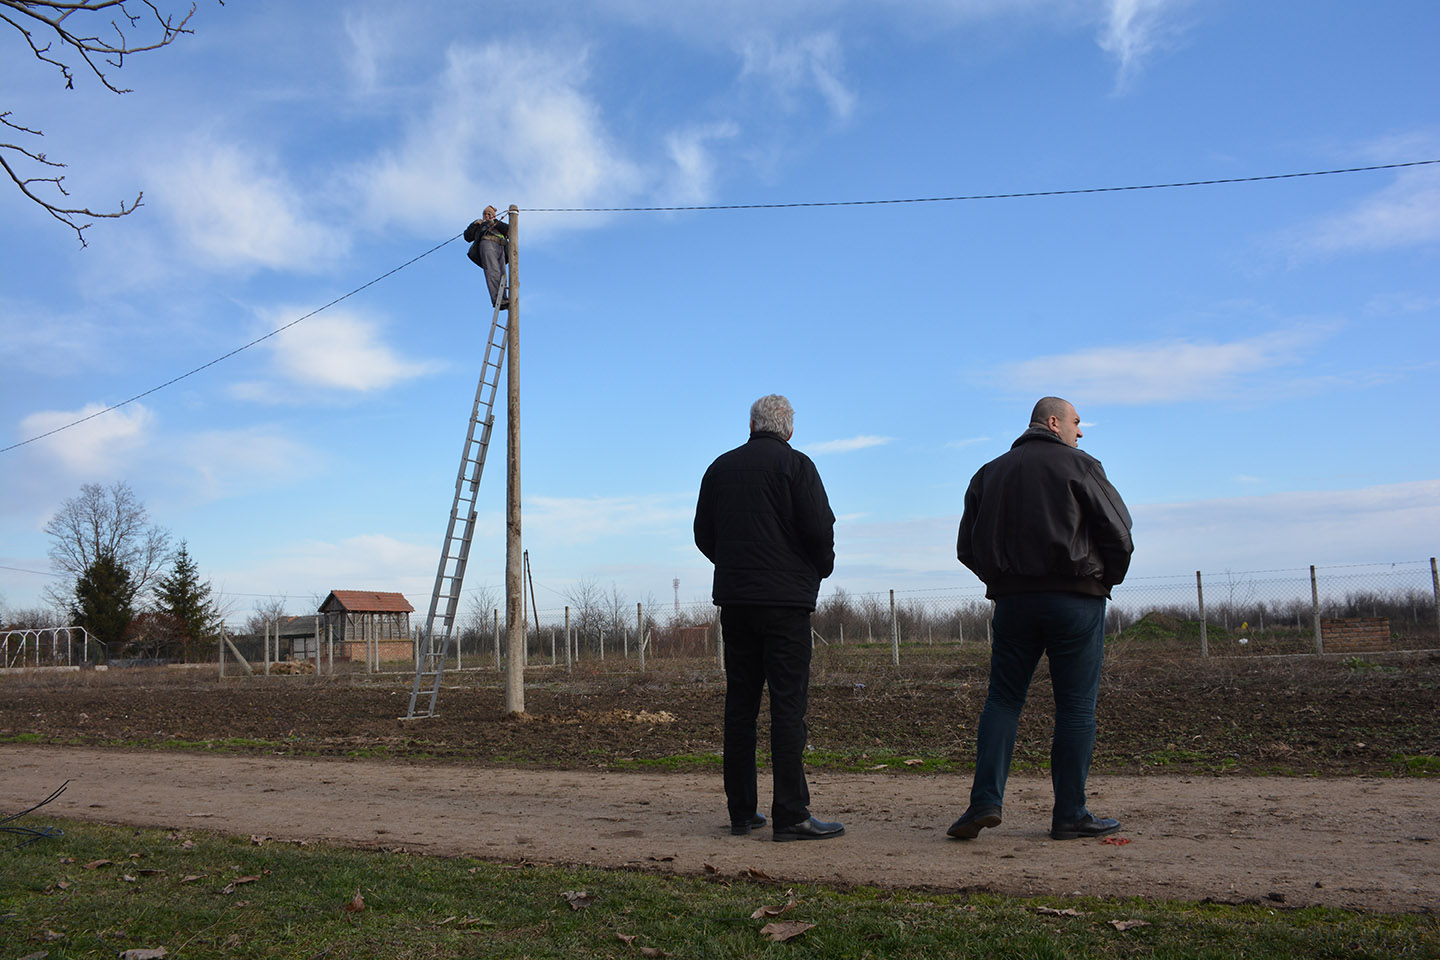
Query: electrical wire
point(984, 196)
point(730, 206)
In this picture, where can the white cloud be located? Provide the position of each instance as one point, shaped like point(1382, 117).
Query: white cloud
point(1164, 372)
point(1134, 29)
point(95, 447)
point(361, 562)
point(571, 520)
point(236, 208)
point(504, 121)
point(230, 462)
point(335, 350)
point(1386, 523)
point(848, 445)
point(693, 177)
point(1404, 214)
point(791, 68)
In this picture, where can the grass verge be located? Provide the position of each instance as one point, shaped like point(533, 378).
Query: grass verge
point(98, 891)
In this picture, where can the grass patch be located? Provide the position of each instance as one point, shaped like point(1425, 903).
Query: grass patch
point(201, 896)
point(1422, 765)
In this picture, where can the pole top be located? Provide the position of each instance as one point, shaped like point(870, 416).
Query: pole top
point(514, 209)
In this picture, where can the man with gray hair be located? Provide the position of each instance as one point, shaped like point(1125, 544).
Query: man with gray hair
point(1049, 536)
point(763, 519)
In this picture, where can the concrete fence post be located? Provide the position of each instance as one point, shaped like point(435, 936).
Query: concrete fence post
point(1204, 630)
point(1315, 611)
point(894, 633)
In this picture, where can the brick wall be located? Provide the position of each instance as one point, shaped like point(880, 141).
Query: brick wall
point(1355, 634)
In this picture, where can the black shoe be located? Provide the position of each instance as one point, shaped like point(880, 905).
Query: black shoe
point(973, 820)
point(810, 829)
point(740, 828)
point(1087, 826)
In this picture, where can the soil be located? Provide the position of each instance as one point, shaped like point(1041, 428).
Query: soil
point(1289, 782)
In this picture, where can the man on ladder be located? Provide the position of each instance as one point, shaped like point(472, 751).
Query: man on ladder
point(486, 237)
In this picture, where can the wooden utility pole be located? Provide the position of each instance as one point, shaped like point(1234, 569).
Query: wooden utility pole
point(514, 560)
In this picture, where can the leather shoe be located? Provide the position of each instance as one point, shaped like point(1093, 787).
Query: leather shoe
point(973, 820)
point(1087, 826)
point(810, 829)
point(741, 828)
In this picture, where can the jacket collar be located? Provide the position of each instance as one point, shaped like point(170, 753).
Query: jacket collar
point(1037, 433)
point(768, 434)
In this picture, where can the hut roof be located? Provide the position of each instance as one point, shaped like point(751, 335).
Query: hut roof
point(366, 601)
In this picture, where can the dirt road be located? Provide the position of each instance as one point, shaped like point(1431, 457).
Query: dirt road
point(1357, 842)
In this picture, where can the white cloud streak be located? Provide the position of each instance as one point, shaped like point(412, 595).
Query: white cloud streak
point(234, 206)
point(503, 121)
point(1165, 372)
point(96, 447)
point(791, 68)
point(1135, 29)
point(1404, 214)
point(337, 350)
point(848, 444)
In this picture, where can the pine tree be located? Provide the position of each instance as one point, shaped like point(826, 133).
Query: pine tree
point(181, 595)
point(104, 599)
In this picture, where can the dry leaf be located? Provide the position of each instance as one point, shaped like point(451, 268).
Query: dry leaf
point(1052, 912)
point(1123, 925)
point(711, 868)
point(127, 878)
point(149, 871)
point(188, 845)
point(774, 911)
point(652, 952)
point(1116, 841)
point(137, 856)
point(191, 878)
point(258, 840)
point(62, 884)
point(878, 766)
point(145, 953)
point(914, 763)
point(578, 899)
point(38, 955)
point(475, 921)
point(50, 936)
point(230, 887)
point(626, 938)
point(95, 864)
point(356, 904)
point(67, 859)
point(782, 930)
point(758, 874)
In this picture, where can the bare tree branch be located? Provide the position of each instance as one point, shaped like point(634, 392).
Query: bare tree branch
point(111, 522)
point(58, 33)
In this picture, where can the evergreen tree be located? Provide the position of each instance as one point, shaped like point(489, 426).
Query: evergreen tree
point(181, 595)
point(104, 599)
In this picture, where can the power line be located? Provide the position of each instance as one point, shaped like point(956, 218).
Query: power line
point(983, 196)
point(203, 366)
point(731, 206)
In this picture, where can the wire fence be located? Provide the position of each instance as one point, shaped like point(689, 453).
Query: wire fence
point(1341, 609)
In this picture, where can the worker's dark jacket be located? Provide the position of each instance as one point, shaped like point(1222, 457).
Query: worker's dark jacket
point(1043, 517)
point(763, 519)
point(487, 230)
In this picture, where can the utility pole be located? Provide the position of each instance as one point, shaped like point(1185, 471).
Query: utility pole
point(514, 585)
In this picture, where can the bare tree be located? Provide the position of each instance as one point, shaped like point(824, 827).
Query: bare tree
point(484, 599)
point(265, 613)
point(79, 35)
point(101, 522)
point(586, 613)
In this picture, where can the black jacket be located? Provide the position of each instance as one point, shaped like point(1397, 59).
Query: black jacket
point(1043, 517)
point(763, 519)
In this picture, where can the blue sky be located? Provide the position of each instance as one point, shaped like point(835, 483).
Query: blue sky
point(1255, 363)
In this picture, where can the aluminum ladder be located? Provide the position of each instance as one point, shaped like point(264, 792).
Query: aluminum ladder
point(445, 598)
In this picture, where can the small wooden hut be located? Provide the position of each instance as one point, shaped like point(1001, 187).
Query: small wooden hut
point(360, 620)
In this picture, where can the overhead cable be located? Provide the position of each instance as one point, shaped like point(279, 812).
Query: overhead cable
point(732, 206)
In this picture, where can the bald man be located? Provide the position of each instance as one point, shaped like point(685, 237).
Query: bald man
point(1049, 536)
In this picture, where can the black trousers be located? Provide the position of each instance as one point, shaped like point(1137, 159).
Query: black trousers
point(492, 258)
point(766, 645)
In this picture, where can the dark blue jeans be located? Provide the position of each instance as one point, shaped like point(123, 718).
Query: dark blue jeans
point(766, 646)
point(1069, 629)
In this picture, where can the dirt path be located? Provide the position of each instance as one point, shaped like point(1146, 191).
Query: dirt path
point(1359, 842)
